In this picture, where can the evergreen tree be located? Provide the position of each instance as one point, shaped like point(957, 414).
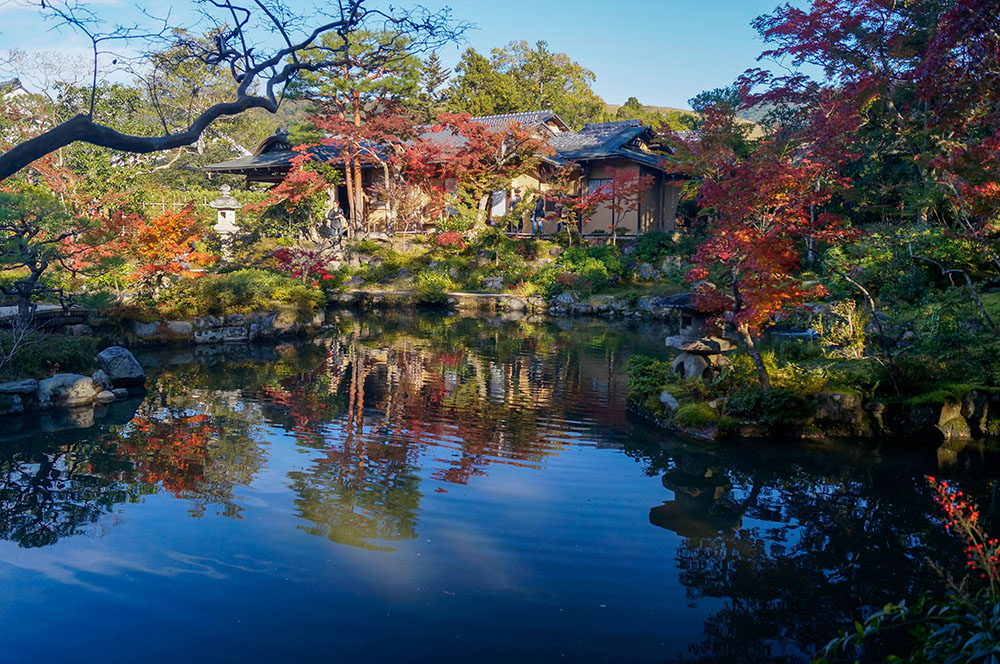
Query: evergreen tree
point(546, 80)
point(479, 88)
point(430, 100)
point(631, 110)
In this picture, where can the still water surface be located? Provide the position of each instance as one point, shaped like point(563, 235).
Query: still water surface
point(417, 489)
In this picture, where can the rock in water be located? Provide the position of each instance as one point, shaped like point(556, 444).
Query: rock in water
point(66, 390)
point(121, 367)
point(101, 379)
point(19, 387)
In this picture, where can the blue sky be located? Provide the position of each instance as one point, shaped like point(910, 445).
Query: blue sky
point(662, 51)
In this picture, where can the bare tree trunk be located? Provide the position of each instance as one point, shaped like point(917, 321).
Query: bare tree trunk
point(949, 272)
point(890, 367)
point(483, 202)
point(359, 194)
point(390, 216)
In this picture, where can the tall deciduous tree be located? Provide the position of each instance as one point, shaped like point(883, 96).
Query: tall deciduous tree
point(546, 80)
point(479, 89)
point(484, 159)
point(763, 206)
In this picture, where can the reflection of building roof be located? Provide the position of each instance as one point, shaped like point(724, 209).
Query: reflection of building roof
point(624, 139)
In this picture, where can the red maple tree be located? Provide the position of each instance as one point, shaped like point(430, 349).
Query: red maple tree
point(472, 158)
point(625, 192)
point(763, 206)
point(578, 202)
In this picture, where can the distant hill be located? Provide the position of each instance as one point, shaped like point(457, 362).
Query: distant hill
point(673, 115)
point(611, 109)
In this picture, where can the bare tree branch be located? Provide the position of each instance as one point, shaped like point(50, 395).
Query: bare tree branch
point(259, 76)
point(948, 272)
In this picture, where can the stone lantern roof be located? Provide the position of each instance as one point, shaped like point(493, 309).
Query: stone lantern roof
point(225, 200)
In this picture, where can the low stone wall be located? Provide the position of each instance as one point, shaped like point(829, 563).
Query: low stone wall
point(226, 329)
point(462, 302)
point(565, 304)
point(610, 306)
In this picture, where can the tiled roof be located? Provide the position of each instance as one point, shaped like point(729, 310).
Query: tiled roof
point(597, 140)
point(530, 118)
point(604, 126)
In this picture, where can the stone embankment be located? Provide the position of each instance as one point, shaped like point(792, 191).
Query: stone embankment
point(226, 329)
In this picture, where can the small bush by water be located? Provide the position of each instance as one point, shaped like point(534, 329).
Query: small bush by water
point(42, 355)
point(242, 291)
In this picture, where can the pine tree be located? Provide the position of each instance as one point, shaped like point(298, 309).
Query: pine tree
point(430, 101)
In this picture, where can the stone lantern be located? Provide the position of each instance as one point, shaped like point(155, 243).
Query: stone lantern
point(702, 343)
point(226, 206)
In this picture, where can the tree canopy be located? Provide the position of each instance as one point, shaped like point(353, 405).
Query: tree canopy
point(520, 77)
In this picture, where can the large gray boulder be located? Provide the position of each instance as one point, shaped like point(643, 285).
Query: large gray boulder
point(121, 367)
point(67, 391)
point(648, 273)
point(493, 283)
point(145, 330)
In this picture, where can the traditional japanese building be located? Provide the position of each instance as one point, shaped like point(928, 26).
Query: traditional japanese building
point(597, 149)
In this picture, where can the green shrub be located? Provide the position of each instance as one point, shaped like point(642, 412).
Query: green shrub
point(647, 377)
point(654, 246)
point(594, 267)
point(593, 276)
point(433, 287)
point(777, 407)
point(366, 247)
point(697, 414)
point(46, 354)
point(242, 291)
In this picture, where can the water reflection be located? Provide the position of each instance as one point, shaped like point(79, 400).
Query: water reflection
point(799, 541)
point(352, 437)
point(53, 488)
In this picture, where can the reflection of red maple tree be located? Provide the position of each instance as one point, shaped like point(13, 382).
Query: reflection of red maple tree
point(170, 451)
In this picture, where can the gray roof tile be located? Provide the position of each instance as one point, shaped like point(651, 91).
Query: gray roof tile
point(597, 140)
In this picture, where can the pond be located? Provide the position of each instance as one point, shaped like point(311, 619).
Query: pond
point(418, 487)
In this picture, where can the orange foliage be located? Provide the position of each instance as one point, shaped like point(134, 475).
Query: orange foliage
point(165, 244)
